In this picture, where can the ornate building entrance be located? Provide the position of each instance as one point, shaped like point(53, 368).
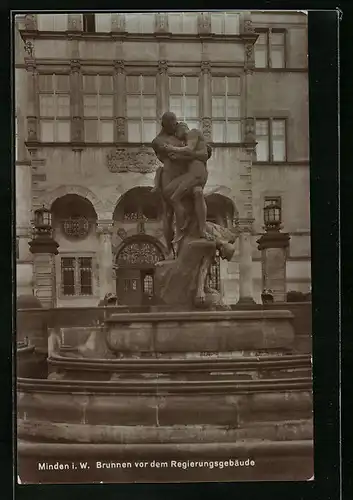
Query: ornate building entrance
point(135, 266)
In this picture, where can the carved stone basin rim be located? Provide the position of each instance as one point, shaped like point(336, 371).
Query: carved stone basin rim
point(199, 316)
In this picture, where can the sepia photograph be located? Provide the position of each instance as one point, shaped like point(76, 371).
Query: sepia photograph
point(163, 247)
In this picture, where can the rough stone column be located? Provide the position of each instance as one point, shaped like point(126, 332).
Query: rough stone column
point(77, 135)
point(44, 249)
point(106, 284)
point(245, 263)
point(119, 101)
point(273, 246)
point(162, 88)
point(206, 103)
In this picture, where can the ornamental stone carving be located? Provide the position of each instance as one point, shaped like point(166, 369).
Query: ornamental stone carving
point(30, 22)
point(32, 128)
point(119, 66)
point(207, 128)
point(29, 48)
point(139, 253)
point(162, 67)
point(248, 26)
point(77, 129)
point(161, 22)
point(205, 67)
point(76, 227)
point(249, 130)
point(204, 23)
point(249, 57)
point(120, 128)
point(126, 160)
point(122, 233)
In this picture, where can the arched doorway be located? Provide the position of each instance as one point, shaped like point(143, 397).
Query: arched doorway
point(135, 268)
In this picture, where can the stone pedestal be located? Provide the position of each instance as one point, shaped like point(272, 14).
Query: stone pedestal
point(106, 285)
point(273, 246)
point(177, 280)
point(245, 266)
point(44, 248)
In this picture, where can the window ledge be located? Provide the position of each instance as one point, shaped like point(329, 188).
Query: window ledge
point(281, 70)
point(287, 163)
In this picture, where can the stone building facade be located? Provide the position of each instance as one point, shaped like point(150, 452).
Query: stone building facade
point(90, 92)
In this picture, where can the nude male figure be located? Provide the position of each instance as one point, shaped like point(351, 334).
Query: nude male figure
point(195, 150)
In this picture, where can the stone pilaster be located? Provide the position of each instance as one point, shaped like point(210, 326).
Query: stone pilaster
point(106, 284)
point(161, 23)
point(273, 246)
point(118, 23)
point(204, 23)
point(75, 22)
point(30, 22)
point(76, 103)
point(206, 99)
point(162, 88)
point(119, 102)
point(44, 248)
point(245, 262)
point(32, 99)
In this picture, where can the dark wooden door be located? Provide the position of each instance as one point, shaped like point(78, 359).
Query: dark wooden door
point(129, 289)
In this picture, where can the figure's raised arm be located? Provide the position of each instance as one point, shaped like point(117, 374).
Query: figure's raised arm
point(159, 148)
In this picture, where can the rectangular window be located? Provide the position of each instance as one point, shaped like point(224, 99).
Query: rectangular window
point(271, 140)
point(140, 23)
point(141, 108)
point(54, 107)
point(270, 49)
point(52, 22)
point(226, 109)
point(89, 23)
point(76, 276)
point(184, 99)
point(225, 23)
point(98, 108)
point(183, 22)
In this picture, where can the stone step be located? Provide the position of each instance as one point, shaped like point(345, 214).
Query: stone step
point(44, 431)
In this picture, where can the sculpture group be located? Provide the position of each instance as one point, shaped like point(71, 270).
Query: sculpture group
point(192, 241)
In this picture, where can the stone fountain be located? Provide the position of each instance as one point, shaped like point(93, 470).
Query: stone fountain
point(144, 397)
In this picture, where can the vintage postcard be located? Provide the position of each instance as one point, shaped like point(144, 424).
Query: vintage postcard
point(163, 247)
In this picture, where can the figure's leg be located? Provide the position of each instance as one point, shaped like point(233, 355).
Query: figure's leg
point(186, 182)
point(200, 209)
point(201, 282)
point(157, 180)
point(168, 226)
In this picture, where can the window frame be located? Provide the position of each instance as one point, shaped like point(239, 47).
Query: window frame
point(141, 120)
point(226, 119)
point(270, 121)
point(224, 16)
point(183, 95)
point(182, 22)
point(77, 275)
point(54, 93)
point(99, 118)
point(268, 33)
point(140, 22)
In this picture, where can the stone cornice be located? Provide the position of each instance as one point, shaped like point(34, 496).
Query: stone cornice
point(144, 37)
point(83, 145)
